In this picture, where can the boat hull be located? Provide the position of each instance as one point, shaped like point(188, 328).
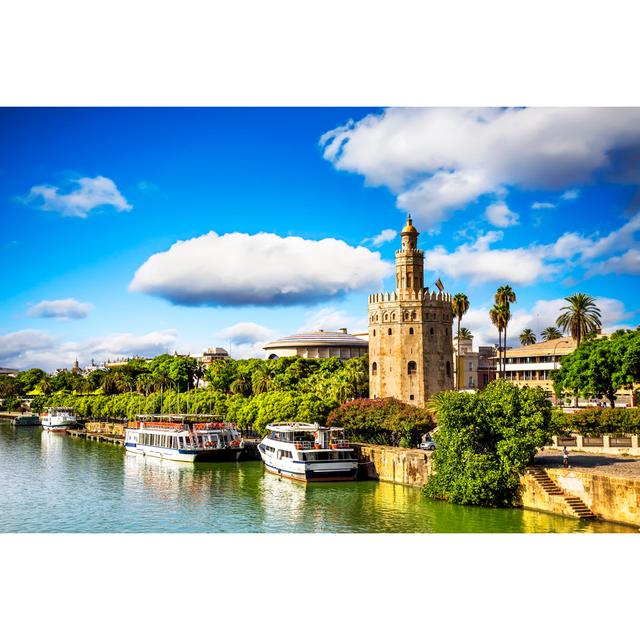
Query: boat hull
point(308, 474)
point(230, 454)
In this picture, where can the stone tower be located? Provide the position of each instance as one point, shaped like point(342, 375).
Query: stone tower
point(410, 330)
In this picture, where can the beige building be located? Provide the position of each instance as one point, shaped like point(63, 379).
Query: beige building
point(532, 365)
point(477, 368)
point(318, 344)
point(212, 354)
point(410, 332)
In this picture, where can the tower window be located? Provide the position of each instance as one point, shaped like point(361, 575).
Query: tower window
point(390, 332)
point(448, 369)
point(431, 331)
point(412, 368)
point(410, 331)
point(374, 369)
point(411, 397)
point(374, 333)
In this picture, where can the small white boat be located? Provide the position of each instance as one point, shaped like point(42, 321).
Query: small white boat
point(26, 421)
point(186, 438)
point(307, 452)
point(58, 418)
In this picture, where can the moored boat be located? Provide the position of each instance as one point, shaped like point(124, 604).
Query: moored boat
point(184, 437)
point(26, 421)
point(58, 418)
point(307, 452)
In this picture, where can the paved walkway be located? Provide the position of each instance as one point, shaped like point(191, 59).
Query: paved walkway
point(622, 466)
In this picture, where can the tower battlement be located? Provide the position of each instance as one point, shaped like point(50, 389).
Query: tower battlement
point(410, 332)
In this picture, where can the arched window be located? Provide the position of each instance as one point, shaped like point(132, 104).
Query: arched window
point(374, 333)
point(410, 331)
point(413, 315)
point(412, 368)
point(431, 331)
point(393, 316)
point(386, 317)
point(374, 369)
point(390, 332)
point(448, 369)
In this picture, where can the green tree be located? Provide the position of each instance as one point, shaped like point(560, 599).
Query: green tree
point(504, 297)
point(551, 333)
point(581, 316)
point(460, 306)
point(500, 316)
point(527, 337)
point(31, 379)
point(599, 368)
point(485, 441)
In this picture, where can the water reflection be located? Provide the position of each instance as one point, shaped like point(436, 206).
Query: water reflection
point(54, 482)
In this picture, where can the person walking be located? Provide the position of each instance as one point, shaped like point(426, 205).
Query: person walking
point(565, 457)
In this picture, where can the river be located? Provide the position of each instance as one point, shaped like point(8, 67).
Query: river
point(52, 482)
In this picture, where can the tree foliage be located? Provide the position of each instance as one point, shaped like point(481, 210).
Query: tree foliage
point(600, 366)
point(484, 442)
point(384, 421)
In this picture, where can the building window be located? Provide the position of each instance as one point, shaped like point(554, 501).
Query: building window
point(410, 331)
point(412, 368)
point(471, 366)
point(374, 333)
point(411, 397)
point(393, 316)
point(431, 331)
point(448, 369)
point(386, 317)
point(374, 369)
point(389, 331)
point(413, 315)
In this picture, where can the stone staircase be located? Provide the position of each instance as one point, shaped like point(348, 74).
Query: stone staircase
point(578, 508)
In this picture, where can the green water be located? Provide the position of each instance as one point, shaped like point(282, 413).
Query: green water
point(56, 483)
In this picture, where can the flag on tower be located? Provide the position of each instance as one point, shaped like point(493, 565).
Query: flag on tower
point(439, 285)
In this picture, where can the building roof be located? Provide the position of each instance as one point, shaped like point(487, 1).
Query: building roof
point(559, 347)
point(318, 338)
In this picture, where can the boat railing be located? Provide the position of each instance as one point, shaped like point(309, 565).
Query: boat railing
point(339, 444)
point(303, 444)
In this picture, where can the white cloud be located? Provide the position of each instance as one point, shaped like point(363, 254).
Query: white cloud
point(437, 160)
point(244, 333)
point(386, 235)
point(261, 269)
point(499, 215)
point(63, 309)
point(85, 195)
point(29, 348)
point(543, 205)
point(480, 263)
point(627, 263)
point(333, 319)
point(571, 194)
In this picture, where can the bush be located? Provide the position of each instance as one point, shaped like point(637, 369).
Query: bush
point(384, 421)
point(485, 441)
point(597, 422)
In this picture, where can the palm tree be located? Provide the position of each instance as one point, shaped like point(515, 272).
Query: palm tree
point(506, 296)
point(527, 337)
point(581, 316)
point(551, 333)
point(460, 306)
point(242, 385)
point(465, 334)
point(500, 316)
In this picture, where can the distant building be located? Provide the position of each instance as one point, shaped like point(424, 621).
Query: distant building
point(531, 366)
point(477, 368)
point(212, 354)
point(410, 329)
point(4, 371)
point(318, 344)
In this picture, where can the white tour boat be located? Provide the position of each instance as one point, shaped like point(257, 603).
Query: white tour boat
point(58, 418)
point(307, 452)
point(187, 438)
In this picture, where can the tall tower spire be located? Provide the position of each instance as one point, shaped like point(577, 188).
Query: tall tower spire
point(409, 261)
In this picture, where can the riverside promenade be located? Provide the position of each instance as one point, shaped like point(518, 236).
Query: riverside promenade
point(603, 485)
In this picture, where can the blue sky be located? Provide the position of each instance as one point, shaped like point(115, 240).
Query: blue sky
point(284, 207)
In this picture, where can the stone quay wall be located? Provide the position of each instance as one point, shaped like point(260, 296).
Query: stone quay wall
point(410, 467)
point(111, 428)
point(610, 497)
